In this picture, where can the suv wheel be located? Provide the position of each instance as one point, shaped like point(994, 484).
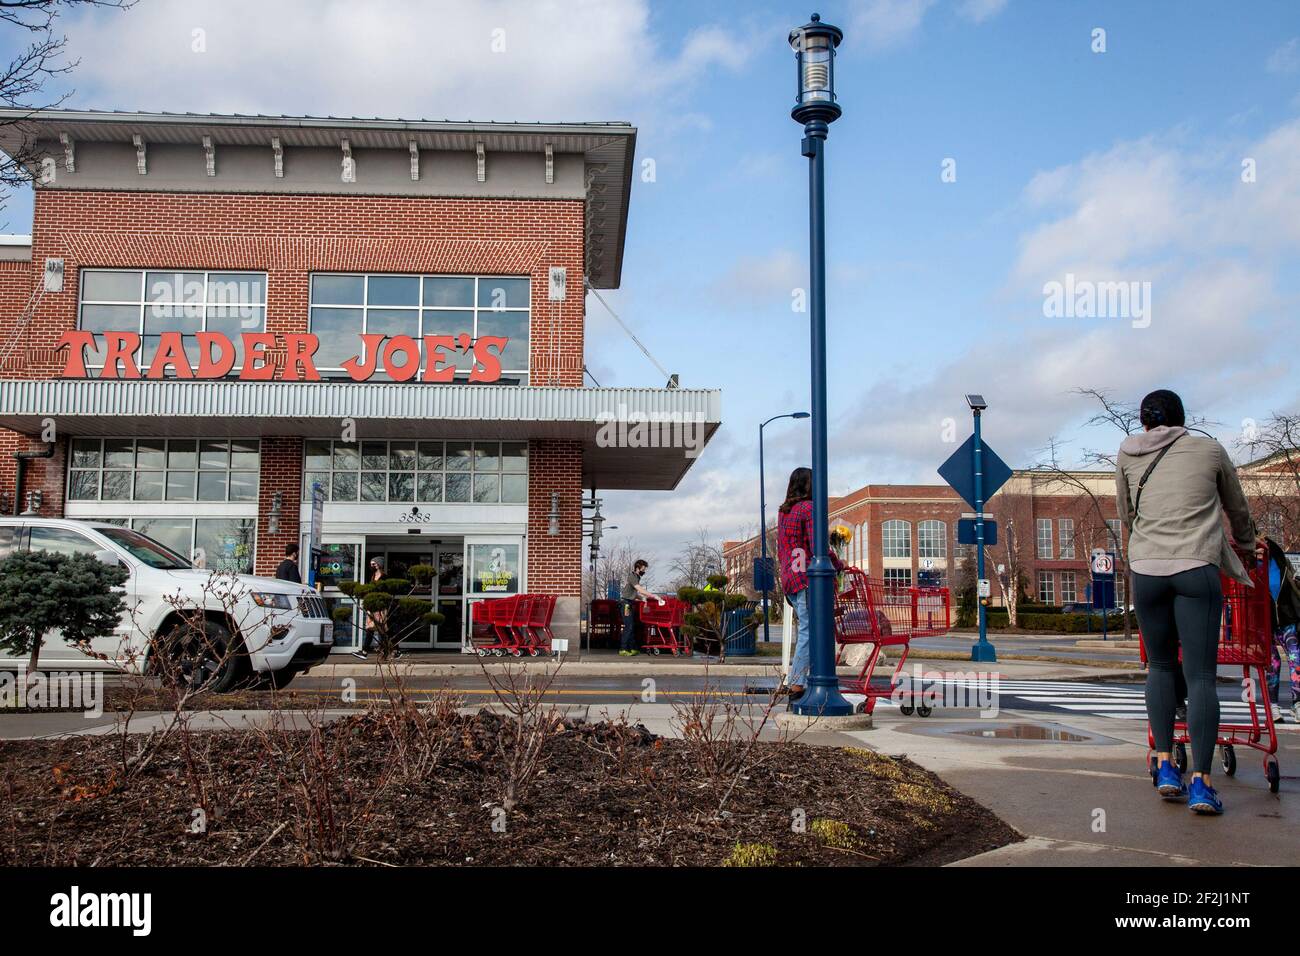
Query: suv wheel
point(206, 658)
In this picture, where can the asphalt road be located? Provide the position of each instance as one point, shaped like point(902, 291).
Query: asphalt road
point(1059, 697)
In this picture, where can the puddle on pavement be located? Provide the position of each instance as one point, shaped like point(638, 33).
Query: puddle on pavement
point(1021, 732)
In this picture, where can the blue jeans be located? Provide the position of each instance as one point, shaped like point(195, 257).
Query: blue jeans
point(799, 660)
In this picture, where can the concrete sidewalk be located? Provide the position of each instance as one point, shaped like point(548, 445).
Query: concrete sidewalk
point(1089, 801)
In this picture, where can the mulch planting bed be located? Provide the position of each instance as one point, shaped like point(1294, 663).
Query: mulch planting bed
point(603, 794)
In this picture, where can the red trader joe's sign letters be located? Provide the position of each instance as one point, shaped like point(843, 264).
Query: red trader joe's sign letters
point(399, 356)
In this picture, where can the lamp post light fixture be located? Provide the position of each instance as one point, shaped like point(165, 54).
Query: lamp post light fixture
point(816, 108)
point(762, 513)
point(273, 518)
point(553, 519)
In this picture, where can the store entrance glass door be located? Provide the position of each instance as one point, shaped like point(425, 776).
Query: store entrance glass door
point(338, 562)
point(451, 592)
point(396, 563)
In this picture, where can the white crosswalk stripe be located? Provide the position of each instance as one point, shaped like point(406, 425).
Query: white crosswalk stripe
point(1099, 700)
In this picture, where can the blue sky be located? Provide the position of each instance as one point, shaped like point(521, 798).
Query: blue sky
point(1124, 165)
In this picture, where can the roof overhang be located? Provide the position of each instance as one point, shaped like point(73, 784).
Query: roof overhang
point(607, 149)
point(632, 438)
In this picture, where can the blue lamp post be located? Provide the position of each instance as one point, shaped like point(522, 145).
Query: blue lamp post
point(981, 651)
point(762, 511)
point(815, 107)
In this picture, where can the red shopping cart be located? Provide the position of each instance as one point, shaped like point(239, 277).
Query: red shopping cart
point(504, 618)
point(871, 611)
point(539, 623)
point(663, 625)
point(1245, 639)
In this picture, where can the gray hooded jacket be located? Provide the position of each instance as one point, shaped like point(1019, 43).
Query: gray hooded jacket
point(1180, 517)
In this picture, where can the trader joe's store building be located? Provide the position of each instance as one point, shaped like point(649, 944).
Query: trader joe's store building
point(213, 314)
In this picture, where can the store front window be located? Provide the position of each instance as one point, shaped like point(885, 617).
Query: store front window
point(164, 469)
point(151, 303)
point(345, 306)
point(220, 544)
point(425, 472)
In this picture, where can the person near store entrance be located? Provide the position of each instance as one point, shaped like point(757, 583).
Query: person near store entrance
point(288, 569)
point(371, 635)
point(632, 592)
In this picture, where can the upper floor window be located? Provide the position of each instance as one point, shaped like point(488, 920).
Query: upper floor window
point(896, 539)
point(932, 539)
point(151, 303)
point(427, 472)
point(1045, 537)
point(164, 469)
point(1065, 527)
point(344, 306)
point(1114, 538)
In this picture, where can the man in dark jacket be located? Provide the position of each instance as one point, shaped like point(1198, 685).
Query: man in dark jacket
point(288, 569)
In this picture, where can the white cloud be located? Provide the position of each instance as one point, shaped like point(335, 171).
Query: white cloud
point(887, 23)
point(882, 24)
point(577, 59)
point(1216, 252)
point(1286, 58)
point(977, 11)
point(766, 280)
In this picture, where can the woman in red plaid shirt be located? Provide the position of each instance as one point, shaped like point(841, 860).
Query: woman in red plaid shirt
point(794, 542)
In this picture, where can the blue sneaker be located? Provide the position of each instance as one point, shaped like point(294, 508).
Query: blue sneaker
point(1170, 782)
point(1202, 798)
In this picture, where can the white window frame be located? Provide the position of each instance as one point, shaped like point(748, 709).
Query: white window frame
point(135, 470)
point(1113, 525)
point(135, 521)
point(365, 308)
point(1069, 595)
point(1043, 546)
point(314, 474)
point(937, 546)
point(1046, 587)
point(894, 532)
point(1065, 538)
point(143, 303)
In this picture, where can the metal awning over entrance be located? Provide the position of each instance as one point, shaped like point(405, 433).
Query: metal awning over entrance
point(633, 438)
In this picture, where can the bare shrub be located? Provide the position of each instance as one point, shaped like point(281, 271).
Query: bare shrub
point(529, 724)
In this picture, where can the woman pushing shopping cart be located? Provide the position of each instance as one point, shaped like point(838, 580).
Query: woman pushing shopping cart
point(1172, 490)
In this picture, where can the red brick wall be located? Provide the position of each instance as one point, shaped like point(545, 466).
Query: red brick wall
point(915, 503)
point(45, 475)
point(555, 563)
point(281, 472)
point(289, 237)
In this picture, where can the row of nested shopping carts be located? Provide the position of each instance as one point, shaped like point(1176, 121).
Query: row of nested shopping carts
point(512, 626)
point(521, 624)
point(1245, 640)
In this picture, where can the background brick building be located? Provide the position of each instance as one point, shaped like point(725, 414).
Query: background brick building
point(1048, 524)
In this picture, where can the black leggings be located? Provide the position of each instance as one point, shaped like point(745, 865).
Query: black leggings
point(1182, 609)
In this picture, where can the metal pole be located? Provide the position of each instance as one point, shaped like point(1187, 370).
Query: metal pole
point(762, 529)
point(822, 689)
point(983, 651)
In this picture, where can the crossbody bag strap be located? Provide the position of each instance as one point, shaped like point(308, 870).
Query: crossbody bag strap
point(1137, 499)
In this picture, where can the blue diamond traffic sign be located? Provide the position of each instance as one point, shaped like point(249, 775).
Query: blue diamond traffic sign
point(959, 471)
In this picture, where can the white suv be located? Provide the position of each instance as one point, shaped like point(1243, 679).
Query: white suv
point(252, 627)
